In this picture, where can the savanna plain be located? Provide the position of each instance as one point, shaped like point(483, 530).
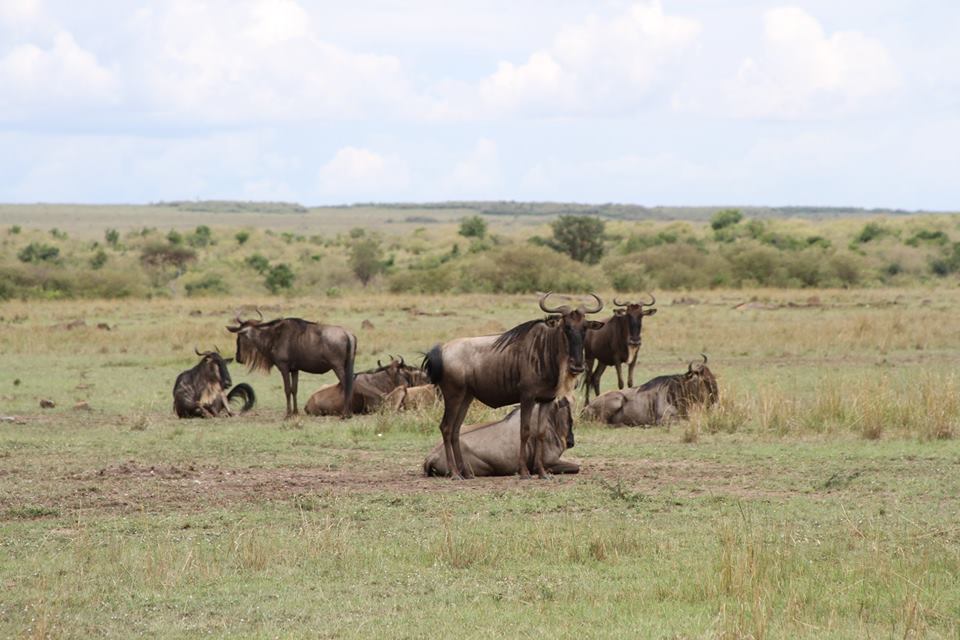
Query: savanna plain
point(819, 498)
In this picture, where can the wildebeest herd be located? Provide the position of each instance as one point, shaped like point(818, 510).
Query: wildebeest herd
point(535, 365)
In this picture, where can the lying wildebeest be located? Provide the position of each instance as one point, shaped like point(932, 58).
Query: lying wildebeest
point(617, 342)
point(490, 449)
point(419, 397)
point(293, 345)
point(201, 392)
point(657, 401)
point(369, 390)
point(536, 361)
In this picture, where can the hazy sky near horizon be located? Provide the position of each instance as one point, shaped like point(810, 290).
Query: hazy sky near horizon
point(682, 102)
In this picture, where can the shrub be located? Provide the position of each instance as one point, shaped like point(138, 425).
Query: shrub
point(366, 259)
point(525, 268)
point(258, 263)
point(925, 235)
point(57, 234)
point(846, 268)
point(725, 218)
point(209, 284)
point(626, 274)
point(433, 280)
point(242, 237)
point(279, 277)
point(99, 259)
point(14, 230)
point(175, 237)
point(160, 254)
point(201, 237)
point(473, 227)
point(580, 237)
point(870, 232)
point(112, 236)
point(38, 252)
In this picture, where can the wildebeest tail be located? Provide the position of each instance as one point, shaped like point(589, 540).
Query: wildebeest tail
point(433, 364)
point(244, 391)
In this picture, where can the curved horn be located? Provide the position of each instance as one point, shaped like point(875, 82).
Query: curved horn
point(258, 313)
point(690, 367)
point(402, 364)
point(617, 303)
point(543, 307)
point(652, 302)
point(704, 356)
point(236, 317)
point(599, 305)
point(197, 351)
point(378, 363)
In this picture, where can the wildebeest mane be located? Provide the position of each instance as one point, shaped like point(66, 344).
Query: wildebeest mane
point(516, 334)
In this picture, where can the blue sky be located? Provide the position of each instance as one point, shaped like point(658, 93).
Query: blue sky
point(672, 103)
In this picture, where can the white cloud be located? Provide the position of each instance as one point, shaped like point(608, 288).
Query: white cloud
point(361, 173)
point(59, 77)
point(18, 13)
point(477, 174)
point(804, 71)
point(599, 66)
point(259, 60)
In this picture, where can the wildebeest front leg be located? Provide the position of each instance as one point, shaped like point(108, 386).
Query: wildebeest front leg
point(596, 377)
point(539, 436)
point(294, 381)
point(285, 374)
point(618, 366)
point(526, 411)
point(225, 402)
point(630, 366)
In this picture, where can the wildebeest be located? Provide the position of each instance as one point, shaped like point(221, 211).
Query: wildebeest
point(658, 400)
point(419, 397)
point(617, 342)
point(369, 389)
point(201, 392)
point(293, 345)
point(489, 449)
point(536, 361)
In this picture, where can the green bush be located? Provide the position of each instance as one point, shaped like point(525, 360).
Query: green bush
point(626, 273)
point(14, 230)
point(580, 237)
point(279, 277)
point(175, 237)
point(201, 237)
point(99, 259)
point(524, 268)
point(433, 280)
point(242, 237)
point(366, 259)
point(38, 252)
point(112, 236)
point(258, 263)
point(725, 218)
point(925, 235)
point(210, 284)
point(473, 227)
point(162, 254)
point(870, 232)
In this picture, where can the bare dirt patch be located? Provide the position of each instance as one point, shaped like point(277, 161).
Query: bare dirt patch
point(135, 486)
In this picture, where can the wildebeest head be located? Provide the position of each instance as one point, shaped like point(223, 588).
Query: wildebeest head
point(699, 383)
point(394, 370)
point(575, 324)
point(214, 366)
point(246, 351)
point(634, 312)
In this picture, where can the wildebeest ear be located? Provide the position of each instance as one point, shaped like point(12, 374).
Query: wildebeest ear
point(594, 324)
point(233, 329)
point(649, 312)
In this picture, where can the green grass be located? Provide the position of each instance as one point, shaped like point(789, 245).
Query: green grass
point(778, 516)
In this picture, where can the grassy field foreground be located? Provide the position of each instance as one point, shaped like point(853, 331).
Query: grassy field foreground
point(819, 500)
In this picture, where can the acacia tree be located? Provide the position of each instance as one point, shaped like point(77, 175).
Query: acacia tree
point(366, 259)
point(580, 237)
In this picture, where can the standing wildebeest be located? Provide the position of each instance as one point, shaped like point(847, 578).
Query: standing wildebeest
point(489, 449)
point(369, 389)
point(658, 400)
point(617, 342)
point(293, 345)
point(536, 361)
point(201, 392)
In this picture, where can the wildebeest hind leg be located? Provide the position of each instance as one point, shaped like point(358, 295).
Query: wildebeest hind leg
point(465, 470)
point(526, 411)
point(450, 407)
point(562, 466)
